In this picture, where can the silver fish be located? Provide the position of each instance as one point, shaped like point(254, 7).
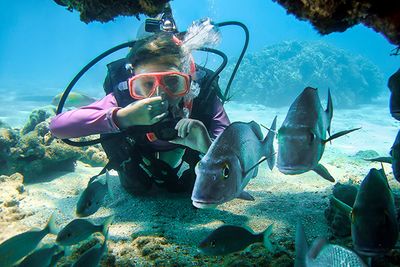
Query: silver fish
point(92, 197)
point(322, 253)
point(374, 227)
point(230, 238)
point(302, 136)
point(17, 247)
point(92, 257)
point(79, 230)
point(40, 257)
point(231, 161)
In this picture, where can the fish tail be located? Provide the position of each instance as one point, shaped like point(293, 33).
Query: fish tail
point(51, 225)
point(106, 224)
point(109, 190)
point(301, 246)
point(266, 241)
point(269, 145)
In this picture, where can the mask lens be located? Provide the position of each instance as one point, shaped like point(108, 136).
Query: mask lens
point(143, 86)
point(175, 84)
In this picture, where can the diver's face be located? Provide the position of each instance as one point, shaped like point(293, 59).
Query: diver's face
point(158, 67)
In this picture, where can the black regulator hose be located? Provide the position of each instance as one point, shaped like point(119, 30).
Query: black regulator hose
point(75, 80)
point(246, 44)
point(130, 44)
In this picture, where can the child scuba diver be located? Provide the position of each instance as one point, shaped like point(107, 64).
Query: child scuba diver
point(160, 116)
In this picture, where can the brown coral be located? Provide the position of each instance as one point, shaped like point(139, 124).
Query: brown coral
point(329, 16)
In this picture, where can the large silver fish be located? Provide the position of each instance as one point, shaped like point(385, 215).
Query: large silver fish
point(302, 136)
point(374, 227)
point(17, 247)
point(231, 161)
point(322, 253)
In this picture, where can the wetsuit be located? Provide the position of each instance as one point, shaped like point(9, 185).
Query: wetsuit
point(137, 159)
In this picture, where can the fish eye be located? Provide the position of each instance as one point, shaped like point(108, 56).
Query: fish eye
point(312, 137)
point(225, 171)
point(213, 244)
point(89, 203)
point(69, 235)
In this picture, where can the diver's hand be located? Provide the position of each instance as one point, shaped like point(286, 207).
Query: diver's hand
point(193, 134)
point(142, 112)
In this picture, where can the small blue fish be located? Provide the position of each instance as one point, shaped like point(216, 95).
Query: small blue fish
point(40, 257)
point(79, 230)
point(92, 257)
point(92, 197)
point(230, 238)
point(17, 247)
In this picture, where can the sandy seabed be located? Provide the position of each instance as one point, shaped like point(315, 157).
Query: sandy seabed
point(163, 229)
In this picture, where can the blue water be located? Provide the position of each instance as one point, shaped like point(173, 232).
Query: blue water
point(42, 45)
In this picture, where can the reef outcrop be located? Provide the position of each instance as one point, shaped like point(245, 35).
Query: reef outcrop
point(106, 10)
point(275, 75)
point(329, 16)
point(33, 151)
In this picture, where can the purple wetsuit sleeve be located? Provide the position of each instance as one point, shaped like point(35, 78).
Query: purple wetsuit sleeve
point(95, 118)
point(219, 120)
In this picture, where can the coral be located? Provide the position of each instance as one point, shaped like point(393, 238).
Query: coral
point(336, 16)
point(37, 116)
point(338, 221)
point(106, 10)
point(278, 73)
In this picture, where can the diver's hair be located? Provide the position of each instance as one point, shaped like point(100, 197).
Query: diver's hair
point(159, 47)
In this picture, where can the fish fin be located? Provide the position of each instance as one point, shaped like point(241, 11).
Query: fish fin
point(329, 111)
point(266, 234)
point(382, 171)
point(381, 159)
point(109, 189)
point(269, 145)
point(245, 173)
point(342, 206)
point(51, 226)
point(255, 172)
point(316, 247)
point(323, 172)
point(256, 129)
point(246, 196)
point(107, 223)
point(67, 250)
point(301, 246)
point(339, 134)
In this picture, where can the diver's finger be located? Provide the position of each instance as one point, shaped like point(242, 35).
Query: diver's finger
point(153, 100)
point(178, 141)
point(179, 124)
point(159, 117)
point(189, 126)
point(184, 128)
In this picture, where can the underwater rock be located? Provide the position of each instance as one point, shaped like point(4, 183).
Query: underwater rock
point(106, 10)
point(11, 193)
point(278, 73)
point(366, 154)
point(394, 86)
point(338, 221)
point(35, 151)
point(329, 16)
point(37, 116)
